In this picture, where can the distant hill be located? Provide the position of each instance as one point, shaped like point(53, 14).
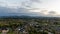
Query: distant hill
point(28, 17)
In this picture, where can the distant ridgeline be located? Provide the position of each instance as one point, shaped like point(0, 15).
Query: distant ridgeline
point(14, 17)
point(27, 17)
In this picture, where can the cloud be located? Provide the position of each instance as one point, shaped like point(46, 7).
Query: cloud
point(22, 3)
point(52, 12)
point(11, 11)
point(38, 1)
point(45, 12)
point(23, 8)
point(4, 11)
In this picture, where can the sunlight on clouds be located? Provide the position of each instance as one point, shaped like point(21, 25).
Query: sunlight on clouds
point(44, 12)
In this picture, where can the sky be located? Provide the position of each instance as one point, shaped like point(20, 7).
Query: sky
point(50, 8)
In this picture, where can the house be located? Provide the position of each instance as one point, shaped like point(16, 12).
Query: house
point(20, 30)
point(57, 30)
point(5, 30)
